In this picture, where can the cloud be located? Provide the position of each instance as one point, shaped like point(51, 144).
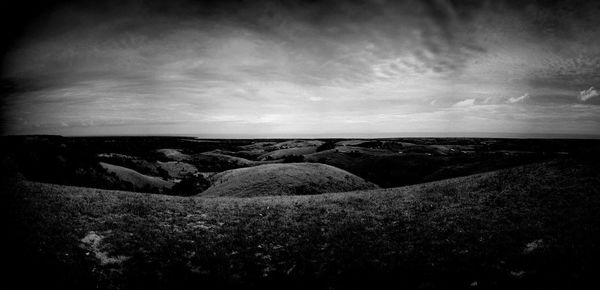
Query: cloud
point(206, 67)
point(488, 100)
point(520, 99)
point(269, 118)
point(588, 94)
point(464, 103)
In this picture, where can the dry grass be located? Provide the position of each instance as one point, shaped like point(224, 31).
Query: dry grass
point(284, 179)
point(282, 153)
point(138, 180)
point(446, 234)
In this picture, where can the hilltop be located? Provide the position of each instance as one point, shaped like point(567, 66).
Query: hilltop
point(284, 179)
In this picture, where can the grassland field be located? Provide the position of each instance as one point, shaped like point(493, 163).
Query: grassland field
point(529, 226)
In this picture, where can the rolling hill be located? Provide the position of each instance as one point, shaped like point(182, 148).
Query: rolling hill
point(214, 161)
point(529, 227)
point(137, 180)
point(293, 144)
point(132, 162)
point(177, 169)
point(284, 179)
point(282, 153)
point(172, 154)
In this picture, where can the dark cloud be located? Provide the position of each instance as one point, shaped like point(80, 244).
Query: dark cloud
point(558, 18)
point(567, 79)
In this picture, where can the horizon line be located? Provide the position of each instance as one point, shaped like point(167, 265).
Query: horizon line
point(494, 135)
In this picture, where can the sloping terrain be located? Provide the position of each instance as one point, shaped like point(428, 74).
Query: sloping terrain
point(166, 169)
point(388, 168)
point(177, 169)
point(257, 145)
point(362, 150)
point(530, 227)
point(172, 154)
point(136, 179)
point(388, 162)
point(213, 161)
point(282, 153)
point(284, 179)
point(261, 151)
point(351, 142)
point(246, 154)
point(293, 144)
point(131, 162)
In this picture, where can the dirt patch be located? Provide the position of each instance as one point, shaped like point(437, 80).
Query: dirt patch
point(92, 243)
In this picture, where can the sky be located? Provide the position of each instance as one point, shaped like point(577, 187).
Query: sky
point(303, 68)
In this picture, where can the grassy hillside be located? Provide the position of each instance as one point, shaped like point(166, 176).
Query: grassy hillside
point(176, 169)
point(531, 227)
point(132, 162)
point(282, 153)
point(293, 144)
point(172, 154)
point(211, 161)
point(385, 162)
point(138, 180)
point(388, 168)
point(284, 179)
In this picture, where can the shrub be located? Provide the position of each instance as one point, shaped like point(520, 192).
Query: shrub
point(293, 158)
point(190, 185)
point(371, 144)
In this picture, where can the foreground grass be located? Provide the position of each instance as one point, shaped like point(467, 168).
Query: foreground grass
point(536, 226)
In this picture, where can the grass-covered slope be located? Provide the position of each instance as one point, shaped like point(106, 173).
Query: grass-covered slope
point(213, 161)
point(138, 180)
point(531, 227)
point(177, 169)
point(282, 153)
point(284, 179)
point(172, 154)
point(388, 168)
point(132, 162)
